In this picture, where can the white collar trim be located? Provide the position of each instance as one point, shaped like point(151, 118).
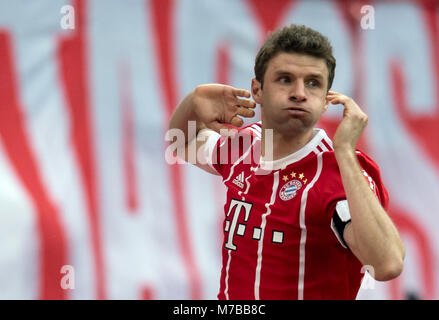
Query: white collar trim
point(296, 156)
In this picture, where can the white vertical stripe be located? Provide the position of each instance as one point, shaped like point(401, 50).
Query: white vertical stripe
point(329, 142)
point(141, 228)
point(239, 160)
point(56, 162)
point(261, 242)
point(226, 289)
point(257, 128)
point(303, 227)
point(322, 145)
point(246, 180)
point(257, 133)
point(19, 238)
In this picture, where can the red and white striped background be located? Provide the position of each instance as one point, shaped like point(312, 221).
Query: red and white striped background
point(83, 115)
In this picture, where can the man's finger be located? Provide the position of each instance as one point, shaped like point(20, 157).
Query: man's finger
point(241, 93)
point(335, 94)
point(246, 103)
point(245, 112)
point(237, 122)
point(335, 101)
point(338, 99)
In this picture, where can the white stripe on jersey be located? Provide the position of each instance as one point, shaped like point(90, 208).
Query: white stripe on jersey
point(303, 227)
point(322, 145)
point(249, 176)
point(226, 289)
point(258, 128)
point(329, 142)
point(261, 241)
point(256, 132)
point(239, 160)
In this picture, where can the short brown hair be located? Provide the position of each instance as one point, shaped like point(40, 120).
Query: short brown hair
point(295, 39)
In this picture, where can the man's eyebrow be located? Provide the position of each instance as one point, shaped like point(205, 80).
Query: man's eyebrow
point(282, 72)
point(316, 75)
point(310, 75)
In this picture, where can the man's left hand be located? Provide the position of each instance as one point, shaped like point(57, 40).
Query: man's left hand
point(352, 125)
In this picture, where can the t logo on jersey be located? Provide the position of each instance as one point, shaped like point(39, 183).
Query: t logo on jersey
point(231, 226)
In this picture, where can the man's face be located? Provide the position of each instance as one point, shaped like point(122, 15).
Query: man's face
point(293, 97)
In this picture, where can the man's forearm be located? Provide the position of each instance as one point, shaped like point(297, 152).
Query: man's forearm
point(182, 115)
point(376, 239)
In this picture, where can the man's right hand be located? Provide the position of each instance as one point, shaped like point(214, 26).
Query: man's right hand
point(214, 106)
point(218, 106)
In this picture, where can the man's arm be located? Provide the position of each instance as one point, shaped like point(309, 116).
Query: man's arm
point(211, 106)
point(371, 235)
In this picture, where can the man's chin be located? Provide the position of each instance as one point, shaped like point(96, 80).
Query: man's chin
point(294, 126)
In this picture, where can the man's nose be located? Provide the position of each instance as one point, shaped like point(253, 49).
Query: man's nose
point(297, 93)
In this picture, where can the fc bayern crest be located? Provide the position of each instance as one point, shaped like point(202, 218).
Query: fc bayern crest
point(289, 190)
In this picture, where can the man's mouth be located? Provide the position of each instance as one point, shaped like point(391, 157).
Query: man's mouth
point(296, 109)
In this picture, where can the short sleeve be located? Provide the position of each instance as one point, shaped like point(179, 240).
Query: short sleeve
point(229, 149)
point(216, 151)
point(207, 150)
point(372, 174)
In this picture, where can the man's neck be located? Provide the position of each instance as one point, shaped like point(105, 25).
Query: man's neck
point(283, 145)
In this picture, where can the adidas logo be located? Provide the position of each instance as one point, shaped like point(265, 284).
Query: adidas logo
point(239, 180)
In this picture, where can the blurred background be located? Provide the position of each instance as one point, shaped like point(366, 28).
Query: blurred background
point(89, 208)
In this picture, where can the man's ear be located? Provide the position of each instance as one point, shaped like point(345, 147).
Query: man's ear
point(256, 91)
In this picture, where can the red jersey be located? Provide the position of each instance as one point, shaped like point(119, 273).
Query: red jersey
point(279, 235)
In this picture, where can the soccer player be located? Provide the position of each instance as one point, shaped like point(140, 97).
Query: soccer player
point(304, 213)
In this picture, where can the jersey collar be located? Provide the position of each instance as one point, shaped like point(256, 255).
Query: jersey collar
point(296, 156)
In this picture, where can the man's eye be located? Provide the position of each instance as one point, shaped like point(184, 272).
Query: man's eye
point(284, 80)
point(313, 83)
